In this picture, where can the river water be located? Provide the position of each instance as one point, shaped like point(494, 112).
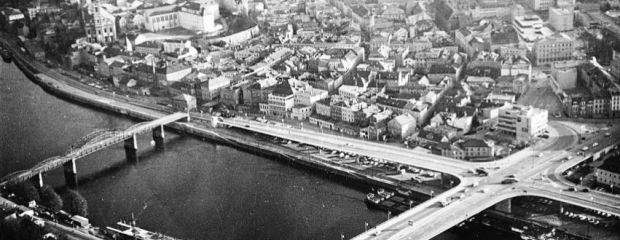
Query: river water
point(193, 189)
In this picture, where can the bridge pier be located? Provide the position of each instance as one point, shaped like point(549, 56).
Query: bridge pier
point(131, 149)
point(70, 171)
point(37, 180)
point(158, 137)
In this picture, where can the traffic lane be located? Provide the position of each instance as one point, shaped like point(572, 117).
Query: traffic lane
point(362, 148)
point(565, 139)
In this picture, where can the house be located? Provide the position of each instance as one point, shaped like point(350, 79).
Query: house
point(209, 89)
point(184, 102)
point(395, 105)
point(402, 126)
point(424, 137)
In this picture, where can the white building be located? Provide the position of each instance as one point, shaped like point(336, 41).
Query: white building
point(561, 19)
point(529, 27)
point(196, 16)
point(541, 4)
point(523, 122)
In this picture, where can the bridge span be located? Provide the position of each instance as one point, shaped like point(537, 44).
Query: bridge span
point(91, 143)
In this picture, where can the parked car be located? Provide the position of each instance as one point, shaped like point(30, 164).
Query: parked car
point(584, 148)
point(595, 144)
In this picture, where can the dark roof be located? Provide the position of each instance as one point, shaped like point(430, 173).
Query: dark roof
point(392, 102)
point(441, 68)
point(508, 36)
point(611, 164)
point(283, 89)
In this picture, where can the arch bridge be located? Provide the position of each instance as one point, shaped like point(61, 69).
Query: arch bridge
point(93, 142)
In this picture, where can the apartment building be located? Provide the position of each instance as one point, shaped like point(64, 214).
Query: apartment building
point(99, 24)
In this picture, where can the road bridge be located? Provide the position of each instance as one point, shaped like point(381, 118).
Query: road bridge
point(91, 143)
point(429, 218)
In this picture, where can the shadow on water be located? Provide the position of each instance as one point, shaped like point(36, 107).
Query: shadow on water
point(118, 166)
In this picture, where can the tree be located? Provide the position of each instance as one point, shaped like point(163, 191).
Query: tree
point(77, 204)
point(26, 191)
point(50, 198)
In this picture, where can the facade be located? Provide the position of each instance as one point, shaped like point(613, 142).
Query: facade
point(281, 100)
point(402, 126)
point(522, 122)
point(608, 174)
point(99, 24)
point(561, 19)
point(556, 48)
point(540, 4)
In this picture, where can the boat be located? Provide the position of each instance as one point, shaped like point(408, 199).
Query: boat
point(130, 232)
point(388, 201)
point(6, 55)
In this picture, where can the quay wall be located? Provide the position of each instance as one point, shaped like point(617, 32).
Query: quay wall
point(246, 143)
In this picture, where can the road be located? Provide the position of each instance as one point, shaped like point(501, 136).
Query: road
point(429, 219)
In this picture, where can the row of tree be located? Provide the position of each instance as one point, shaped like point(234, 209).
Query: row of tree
point(47, 196)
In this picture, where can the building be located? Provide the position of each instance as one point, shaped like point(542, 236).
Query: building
point(281, 100)
point(522, 122)
point(402, 126)
point(561, 19)
point(608, 174)
point(195, 16)
point(209, 89)
point(148, 48)
point(469, 149)
point(10, 15)
point(558, 47)
point(99, 24)
point(184, 102)
point(540, 4)
point(529, 27)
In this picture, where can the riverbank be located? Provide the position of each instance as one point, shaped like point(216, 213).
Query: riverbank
point(239, 140)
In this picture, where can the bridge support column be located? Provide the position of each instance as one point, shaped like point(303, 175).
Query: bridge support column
point(504, 206)
point(158, 137)
point(37, 180)
point(70, 174)
point(131, 149)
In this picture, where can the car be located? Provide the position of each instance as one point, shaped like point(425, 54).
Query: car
point(510, 181)
point(572, 189)
point(511, 176)
point(482, 172)
point(607, 134)
point(585, 190)
point(557, 115)
point(247, 126)
point(584, 148)
point(595, 144)
point(569, 157)
point(540, 154)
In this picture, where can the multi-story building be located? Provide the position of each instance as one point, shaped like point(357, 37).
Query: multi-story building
point(310, 96)
point(529, 27)
point(99, 24)
point(540, 4)
point(148, 48)
point(522, 122)
point(196, 16)
point(558, 47)
point(468, 149)
point(209, 89)
point(281, 100)
point(608, 174)
point(561, 19)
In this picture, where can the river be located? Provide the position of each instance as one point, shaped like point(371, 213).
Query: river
point(193, 189)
